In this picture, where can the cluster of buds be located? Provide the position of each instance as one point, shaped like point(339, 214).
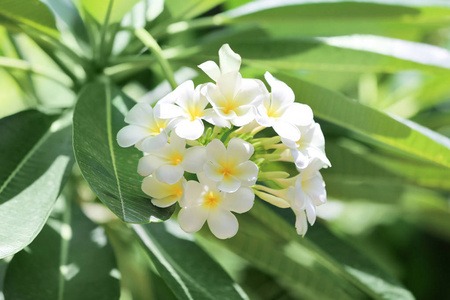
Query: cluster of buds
point(207, 149)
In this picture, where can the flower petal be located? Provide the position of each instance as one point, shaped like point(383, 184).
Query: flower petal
point(247, 173)
point(223, 224)
point(286, 130)
point(154, 143)
point(130, 135)
point(185, 94)
point(212, 171)
point(229, 84)
point(194, 159)
point(216, 151)
point(211, 69)
point(229, 60)
point(229, 184)
point(240, 201)
point(239, 150)
point(300, 158)
point(191, 219)
point(192, 194)
point(140, 115)
point(190, 130)
point(165, 202)
point(155, 188)
point(212, 117)
point(148, 164)
point(299, 114)
point(168, 111)
point(300, 222)
point(169, 174)
point(177, 143)
point(282, 94)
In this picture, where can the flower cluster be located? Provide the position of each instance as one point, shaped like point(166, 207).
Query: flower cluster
point(207, 147)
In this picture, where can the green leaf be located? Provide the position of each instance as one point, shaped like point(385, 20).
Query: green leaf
point(98, 9)
point(319, 266)
point(188, 9)
point(111, 171)
point(376, 126)
point(400, 19)
point(345, 54)
point(70, 259)
point(33, 13)
point(184, 266)
point(35, 161)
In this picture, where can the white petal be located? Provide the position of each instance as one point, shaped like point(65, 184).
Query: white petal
point(300, 222)
point(216, 151)
point(247, 173)
point(177, 143)
point(310, 212)
point(191, 219)
point(194, 159)
point(148, 164)
point(140, 114)
point(290, 144)
point(229, 184)
point(282, 94)
point(165, 202)
point(211, 69)
point(155, 188)
point(229, 60)
point(169, 174)
point(168, 111)
point(154, 143)
point(190, 130)
point(212, 171)
point(251, 90)
point(229, 84)
point(192, 194)
point(212, 117)
point(299, 114)
point(239, 150)
point(315, 188)
point(185, 94)
point(223, 224)
point(243, 118)
point(261, 116)
point(206, 181)
point(286, 130)
point(240, 201)
point(301, 160)
point(130, 135)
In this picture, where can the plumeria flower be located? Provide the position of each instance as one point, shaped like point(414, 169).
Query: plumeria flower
point(309, 192)
point(163, 194)
point(187, 110)
point(230, 167)
point(170, 162)
point(279, 111)
point(203, 201)
point(232, 97)
point(146, 131)
point(310, 145)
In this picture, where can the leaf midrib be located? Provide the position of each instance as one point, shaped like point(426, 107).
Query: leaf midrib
point(111, 145)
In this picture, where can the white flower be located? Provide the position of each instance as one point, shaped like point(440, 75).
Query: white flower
point(278, 110)
point(163, 194)
point(146, 131)
point(203, 201)
point(309, 192)
point(230, 167)
point(310, 145)
point(230, 62)
point(232, 97)
point(186, 110)
point(170, 162)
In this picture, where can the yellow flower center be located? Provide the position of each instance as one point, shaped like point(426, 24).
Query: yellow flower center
point(175, 158)
point(211, 200)
point(157, 127)
point(229, 106)
point(195, 112)
point(226, 170)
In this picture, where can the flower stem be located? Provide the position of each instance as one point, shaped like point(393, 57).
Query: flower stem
point(148, 40)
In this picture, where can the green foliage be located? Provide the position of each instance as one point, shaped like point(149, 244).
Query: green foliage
point(375, 74)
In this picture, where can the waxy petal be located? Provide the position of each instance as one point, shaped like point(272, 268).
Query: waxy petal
point(247, 173)
point(239, 150)
point(298, 114)
point(240, 201)
point(148, 164)
point(216, 151)
point(140, 114)
point(194, 159)
point(169, 174)
point(130, 135)
point(212, 171)
point(155, 188)
point(190, 130)
point(191, 219)
point(211, 69)
point(223, 224)
point(192, 194)
point(165, 202)
point(287, 130)
point(154, 143)
point(168, 111)
point(229, 60)
point(282, 94)
point(229, 184)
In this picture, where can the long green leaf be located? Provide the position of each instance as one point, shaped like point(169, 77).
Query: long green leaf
point(400, 19)
point(189, 9)
point(185, 267)
point(70, 259)
point(394, 133)
point(35, 161)
point(99, 8)
point(33, 13)
point(111, 171)
point(319, 266)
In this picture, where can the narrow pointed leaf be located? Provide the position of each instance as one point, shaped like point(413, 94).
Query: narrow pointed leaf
point(111, 171)
point(70, 259)
point(184, 266)
point(35, 160)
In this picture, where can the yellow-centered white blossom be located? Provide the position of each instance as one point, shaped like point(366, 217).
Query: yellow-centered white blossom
point(163, 194)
